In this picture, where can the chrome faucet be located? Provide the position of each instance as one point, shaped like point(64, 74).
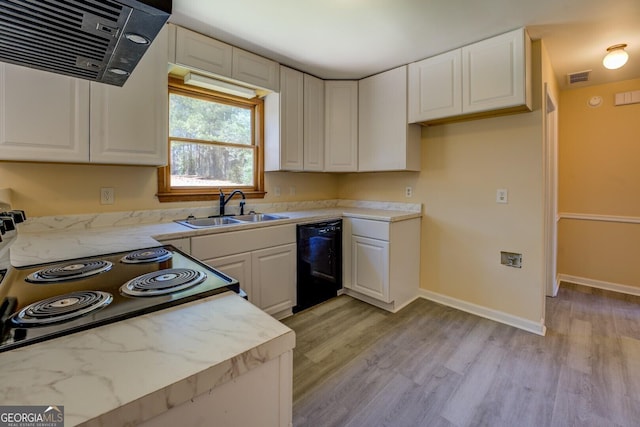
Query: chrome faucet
point(224, 201)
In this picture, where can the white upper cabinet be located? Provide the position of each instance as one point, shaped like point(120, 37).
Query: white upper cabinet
point(494, 73)
point(385, 140)
point(201, 53)
point(284, 123)
point(129, 123)
point(43, 116)
point(294, 123)
point(435, 87)
point(341, 126)
point(313, 123)
point(54, 118)
point(487, 77)
point(255, 70)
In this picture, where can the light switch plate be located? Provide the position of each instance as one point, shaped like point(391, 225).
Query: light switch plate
point(502, 195)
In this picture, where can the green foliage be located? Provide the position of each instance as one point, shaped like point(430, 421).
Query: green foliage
point(210, 121)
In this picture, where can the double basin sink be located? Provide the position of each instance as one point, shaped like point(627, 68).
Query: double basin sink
point(216, 221)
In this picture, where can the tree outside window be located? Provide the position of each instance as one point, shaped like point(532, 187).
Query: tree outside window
point(214, 143)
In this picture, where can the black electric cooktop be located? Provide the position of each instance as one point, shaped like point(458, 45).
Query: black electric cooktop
point(55, 299)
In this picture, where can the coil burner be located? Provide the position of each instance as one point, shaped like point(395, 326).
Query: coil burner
point(47, 301)
point(147, 255)
point(72, 270)
point(61, 308)
point(162, 282)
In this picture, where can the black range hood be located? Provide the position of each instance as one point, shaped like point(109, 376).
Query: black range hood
point(98, 40)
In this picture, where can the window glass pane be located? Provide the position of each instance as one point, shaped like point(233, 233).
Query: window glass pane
point(207, 165)
point(195, 118)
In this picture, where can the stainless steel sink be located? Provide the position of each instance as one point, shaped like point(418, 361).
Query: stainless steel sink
point(258, 217)
point(208, 222)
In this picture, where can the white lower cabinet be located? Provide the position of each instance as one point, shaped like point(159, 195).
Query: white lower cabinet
point(370, 263)
point(273, 273)
point(183, 243)
point(268, 276)
point(263, 260)
point(237, 266)
point(382, 261)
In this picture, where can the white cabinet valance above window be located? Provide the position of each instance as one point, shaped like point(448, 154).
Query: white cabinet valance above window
point(199, 53)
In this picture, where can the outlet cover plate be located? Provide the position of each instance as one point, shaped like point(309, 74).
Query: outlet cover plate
point(107, 196)
point(502, 195)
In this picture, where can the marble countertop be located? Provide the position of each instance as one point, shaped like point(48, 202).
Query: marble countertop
point(130, 371)
point(48, 242)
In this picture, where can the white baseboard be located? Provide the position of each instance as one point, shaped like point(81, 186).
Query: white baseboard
point(600, 284)
point(498, 316)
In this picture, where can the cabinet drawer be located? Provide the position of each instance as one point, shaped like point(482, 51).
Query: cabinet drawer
point(370, 228)
point(235, 242)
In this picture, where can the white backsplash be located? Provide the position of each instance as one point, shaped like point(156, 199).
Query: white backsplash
point(87, 221)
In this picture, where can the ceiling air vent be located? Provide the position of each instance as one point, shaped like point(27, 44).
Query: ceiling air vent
point(579, 77)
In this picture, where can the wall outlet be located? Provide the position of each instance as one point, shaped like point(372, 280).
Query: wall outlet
point(502, 195)
point(107, 196)
point(408, 191)
point(276, 191)
point(292, 190)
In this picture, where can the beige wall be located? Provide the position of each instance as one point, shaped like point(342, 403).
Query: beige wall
point(599, 174)
point(464, 230)
point(61, 189)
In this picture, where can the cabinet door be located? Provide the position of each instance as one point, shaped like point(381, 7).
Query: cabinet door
point(43, 116)
point(435, 87)
point(129, 123)
point(341, 126)
point(183, 243)
point(370, 267)
point(493, 73)
point(200, 52)
point(274, 278)
point(238, 267)
point(385, 140)
point(313, 123)
point(291, 120)
point(256, 70)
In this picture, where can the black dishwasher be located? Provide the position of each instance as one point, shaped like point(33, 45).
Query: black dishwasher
point(319, 263)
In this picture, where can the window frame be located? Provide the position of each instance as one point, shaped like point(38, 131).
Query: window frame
point(182, 194)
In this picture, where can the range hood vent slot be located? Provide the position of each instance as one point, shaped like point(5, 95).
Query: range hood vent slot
point(579, 77)
point(82, 39)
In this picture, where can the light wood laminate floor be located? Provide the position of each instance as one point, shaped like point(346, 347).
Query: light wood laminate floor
point(430, 365)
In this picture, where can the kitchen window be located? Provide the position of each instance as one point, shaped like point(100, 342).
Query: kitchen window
point(215, 142)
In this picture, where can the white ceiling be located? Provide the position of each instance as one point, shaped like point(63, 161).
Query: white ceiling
point(351, 39)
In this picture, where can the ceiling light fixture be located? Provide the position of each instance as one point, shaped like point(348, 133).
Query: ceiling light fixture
point(616, 57)
point(220, 86)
